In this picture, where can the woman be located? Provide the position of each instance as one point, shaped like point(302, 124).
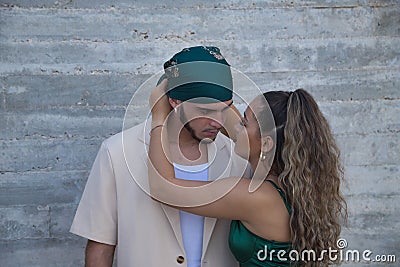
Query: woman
point(299, 206)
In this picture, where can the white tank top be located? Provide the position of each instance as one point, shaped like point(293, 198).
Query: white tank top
point(192, 226)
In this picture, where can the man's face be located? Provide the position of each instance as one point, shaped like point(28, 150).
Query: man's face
point(204, 121)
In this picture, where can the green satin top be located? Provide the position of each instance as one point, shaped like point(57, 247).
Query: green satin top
point(251, 250)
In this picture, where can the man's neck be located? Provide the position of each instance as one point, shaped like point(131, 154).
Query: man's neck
point(177, 133)
point(185, 149)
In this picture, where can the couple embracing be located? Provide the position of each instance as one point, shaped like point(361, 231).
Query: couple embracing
point(225, 189)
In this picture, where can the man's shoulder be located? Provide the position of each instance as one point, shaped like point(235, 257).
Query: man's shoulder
point(130, 135)
point(241, 166)
point(224, 140)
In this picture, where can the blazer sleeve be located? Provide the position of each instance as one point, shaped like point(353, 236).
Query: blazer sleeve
point(96, 216)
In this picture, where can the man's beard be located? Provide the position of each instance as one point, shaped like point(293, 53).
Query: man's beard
point(185, 123)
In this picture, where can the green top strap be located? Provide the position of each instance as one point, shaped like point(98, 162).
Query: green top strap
point(280, 191)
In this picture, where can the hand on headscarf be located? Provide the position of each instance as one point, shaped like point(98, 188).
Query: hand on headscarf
point(159, 105)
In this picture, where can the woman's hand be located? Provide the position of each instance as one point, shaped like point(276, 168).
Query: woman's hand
point(159, 105)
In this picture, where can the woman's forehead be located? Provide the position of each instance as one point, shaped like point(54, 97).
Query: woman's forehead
point(256, 106)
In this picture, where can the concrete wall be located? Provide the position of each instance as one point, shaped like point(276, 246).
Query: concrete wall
point(68, 69)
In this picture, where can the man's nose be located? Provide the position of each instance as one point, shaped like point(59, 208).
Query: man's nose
point(217, 120)
point(215, 124)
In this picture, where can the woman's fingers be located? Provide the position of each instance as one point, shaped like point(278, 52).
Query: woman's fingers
point(158, 92)
point(158, 101)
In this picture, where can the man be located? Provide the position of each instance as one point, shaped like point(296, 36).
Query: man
point(115, 211)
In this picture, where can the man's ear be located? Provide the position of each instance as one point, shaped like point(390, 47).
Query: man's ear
point(267, 144)
point(174, 102)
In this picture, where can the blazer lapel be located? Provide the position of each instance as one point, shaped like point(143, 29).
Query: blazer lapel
point(171, 213)
point(218, 160)
point(209, 224)
point(174, 219)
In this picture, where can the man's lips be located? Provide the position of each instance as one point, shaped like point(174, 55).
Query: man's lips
point(212, 132)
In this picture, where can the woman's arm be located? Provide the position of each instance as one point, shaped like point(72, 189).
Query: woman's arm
point(224, 198)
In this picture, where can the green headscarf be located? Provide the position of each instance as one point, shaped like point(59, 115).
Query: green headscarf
point(199, 74)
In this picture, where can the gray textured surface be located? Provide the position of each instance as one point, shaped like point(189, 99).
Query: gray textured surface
point(68, 68)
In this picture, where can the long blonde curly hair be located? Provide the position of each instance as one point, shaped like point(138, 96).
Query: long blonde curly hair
point(307, 162)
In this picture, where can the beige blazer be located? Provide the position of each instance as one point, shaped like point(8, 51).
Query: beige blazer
point(116, 209)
